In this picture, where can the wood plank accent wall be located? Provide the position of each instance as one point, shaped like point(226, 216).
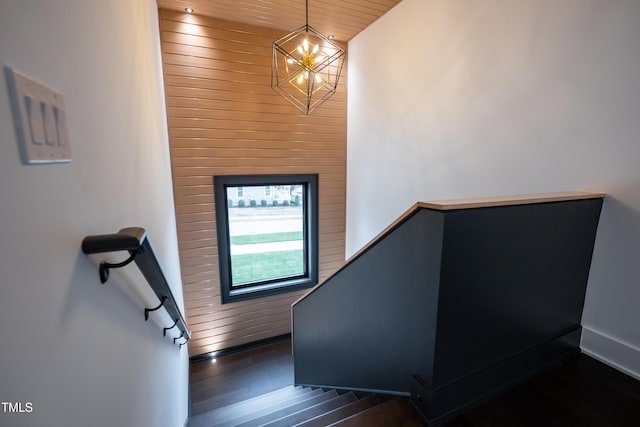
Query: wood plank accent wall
point(225, 119)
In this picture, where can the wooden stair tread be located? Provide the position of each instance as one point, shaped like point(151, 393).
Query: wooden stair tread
point(221, 401)
point(274, 395)
point(313, 411)
point(311, 407)
point(342, 412)
point(259, 418)
point(395, 412)
point(259, 404)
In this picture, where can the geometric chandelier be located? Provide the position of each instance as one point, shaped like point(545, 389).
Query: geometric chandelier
point(306, 67)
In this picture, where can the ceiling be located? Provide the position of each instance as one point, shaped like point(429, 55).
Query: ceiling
point(341, 18)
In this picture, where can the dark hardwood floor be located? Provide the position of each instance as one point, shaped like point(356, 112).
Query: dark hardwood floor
point(240, 376)
point(580, 392)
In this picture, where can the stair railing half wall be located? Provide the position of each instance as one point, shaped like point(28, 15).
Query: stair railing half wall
point(454, 301)
point(135, 241)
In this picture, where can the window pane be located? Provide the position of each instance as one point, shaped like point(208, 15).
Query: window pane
point(266, 233)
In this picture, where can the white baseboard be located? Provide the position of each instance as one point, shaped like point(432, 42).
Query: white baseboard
point(617, 354)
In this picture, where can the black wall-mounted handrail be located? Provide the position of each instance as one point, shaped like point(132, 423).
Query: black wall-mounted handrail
point(135, 241)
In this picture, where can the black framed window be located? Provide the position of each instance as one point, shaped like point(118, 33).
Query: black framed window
point(267, 229)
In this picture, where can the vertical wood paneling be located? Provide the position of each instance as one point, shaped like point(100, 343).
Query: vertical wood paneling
point(225, 119)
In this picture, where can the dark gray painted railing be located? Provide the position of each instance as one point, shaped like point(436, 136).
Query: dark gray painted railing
point(463, 300)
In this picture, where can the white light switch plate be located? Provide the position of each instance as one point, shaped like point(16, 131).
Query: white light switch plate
point(39, 118)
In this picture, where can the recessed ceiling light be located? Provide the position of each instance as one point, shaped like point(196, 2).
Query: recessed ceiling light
point(188, 9)
point(330, 36)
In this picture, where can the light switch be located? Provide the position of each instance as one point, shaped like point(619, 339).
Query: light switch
point(39, 118)
point(50, 125)
point(61, 127)
point(36, 125)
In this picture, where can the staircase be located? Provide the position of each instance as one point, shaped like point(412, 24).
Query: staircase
point(312, 407)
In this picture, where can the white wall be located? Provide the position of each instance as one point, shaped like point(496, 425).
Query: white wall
point(79, 351)
point(466, 98)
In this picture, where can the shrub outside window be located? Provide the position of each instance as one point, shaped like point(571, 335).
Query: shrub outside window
point(267, 234)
